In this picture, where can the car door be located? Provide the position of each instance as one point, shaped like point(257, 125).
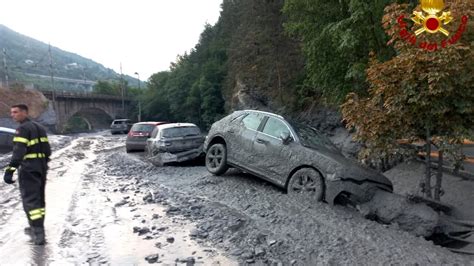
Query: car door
point(6, 142)
point(273, 153)
point(241, 140)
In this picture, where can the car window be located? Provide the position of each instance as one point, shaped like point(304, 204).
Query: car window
point(312, 138)
point(274, 127)
point(143, 127)
point(176, 132)
point(252, 121)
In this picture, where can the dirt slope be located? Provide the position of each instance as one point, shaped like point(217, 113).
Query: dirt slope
point(35, 100)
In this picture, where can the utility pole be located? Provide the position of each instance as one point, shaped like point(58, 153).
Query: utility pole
point(5, 67)
point(139, 102)
point(51, 70)
point(122, 90)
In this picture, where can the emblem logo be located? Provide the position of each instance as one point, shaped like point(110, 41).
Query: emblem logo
point(431, 22)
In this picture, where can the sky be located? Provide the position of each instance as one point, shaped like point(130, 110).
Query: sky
point(142, 35)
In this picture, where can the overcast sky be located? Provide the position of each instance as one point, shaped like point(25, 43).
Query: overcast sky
point(143, 35)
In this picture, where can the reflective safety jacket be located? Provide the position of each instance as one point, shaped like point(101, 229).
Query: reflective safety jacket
point(30, 147)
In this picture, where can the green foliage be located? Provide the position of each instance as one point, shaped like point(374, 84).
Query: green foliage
point(337, 37)
point(107, 88)
point(417, 93)
point(191, 90)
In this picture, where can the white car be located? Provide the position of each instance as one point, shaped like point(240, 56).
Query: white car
point(6, 139)
point(176, 142)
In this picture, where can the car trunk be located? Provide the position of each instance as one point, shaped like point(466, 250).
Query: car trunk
point(179, 144)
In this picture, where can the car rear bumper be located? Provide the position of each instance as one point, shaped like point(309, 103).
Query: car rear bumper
point(135, 144)
point(167, 157)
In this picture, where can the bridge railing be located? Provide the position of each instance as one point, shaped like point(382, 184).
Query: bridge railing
point(81, 95)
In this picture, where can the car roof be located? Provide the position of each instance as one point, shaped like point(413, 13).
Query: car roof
point(121, 120)
point(8, 130)
point(262, 112)
point(163, 126)
point(150, 123)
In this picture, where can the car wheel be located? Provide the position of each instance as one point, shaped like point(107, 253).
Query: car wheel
point(306, 182)
point(128, 150)
point(216, 159)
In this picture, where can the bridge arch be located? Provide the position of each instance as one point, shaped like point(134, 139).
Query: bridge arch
point(96, 110)
point(89, 119)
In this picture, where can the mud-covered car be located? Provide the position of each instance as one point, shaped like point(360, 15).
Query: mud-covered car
point(120, 126)
point(6, 139)
point(138, 134)
point(291, 155)
point(175, 142)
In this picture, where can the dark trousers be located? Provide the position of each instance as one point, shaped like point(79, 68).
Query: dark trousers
point(32, 189)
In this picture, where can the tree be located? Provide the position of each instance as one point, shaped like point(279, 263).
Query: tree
point(107, 88)
point(336, 38)
point(417, 95)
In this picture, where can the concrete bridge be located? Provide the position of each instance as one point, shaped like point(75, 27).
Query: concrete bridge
point(97, 111)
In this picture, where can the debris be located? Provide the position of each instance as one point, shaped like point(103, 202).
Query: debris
point(152, 258)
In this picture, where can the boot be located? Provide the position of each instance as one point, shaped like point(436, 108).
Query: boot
point(38, 236)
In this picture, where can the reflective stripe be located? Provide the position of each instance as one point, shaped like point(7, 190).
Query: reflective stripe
point(36, 141)
point(36, 217)
point(36, 214)
point(20, 139)
point(32, 142)
point(36, 211)
point(34, 156)
point(11, 168)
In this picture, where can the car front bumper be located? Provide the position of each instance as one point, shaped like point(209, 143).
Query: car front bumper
point(360, 191)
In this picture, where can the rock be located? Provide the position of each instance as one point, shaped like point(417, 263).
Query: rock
point(161, 229)
point(170, 240)
point(189, 261)
point(155, 216)
point(141, 230)
point(271, 242)
point(386, 207)
point(259, 251)
point(121, 203)
point(152, 258)
point(173, 209)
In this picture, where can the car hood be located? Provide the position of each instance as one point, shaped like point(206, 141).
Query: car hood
point(340, 167)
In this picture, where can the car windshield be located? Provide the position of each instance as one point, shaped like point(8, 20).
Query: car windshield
point(117, 122)
point(312, 138)
point(176, 132)
point(143, 127)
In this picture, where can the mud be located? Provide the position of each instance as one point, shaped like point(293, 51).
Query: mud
point(108, 207)
point(255, 222)
point(84, 223)
point(389, 208)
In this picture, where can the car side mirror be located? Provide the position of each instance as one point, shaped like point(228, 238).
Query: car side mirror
point(285, 137)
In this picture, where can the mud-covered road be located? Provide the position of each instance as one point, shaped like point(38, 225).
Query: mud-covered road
point(107, 206)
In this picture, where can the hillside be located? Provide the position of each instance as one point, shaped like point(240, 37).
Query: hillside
point(28, 59)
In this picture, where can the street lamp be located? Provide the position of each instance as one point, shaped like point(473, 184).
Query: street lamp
point(139, 103)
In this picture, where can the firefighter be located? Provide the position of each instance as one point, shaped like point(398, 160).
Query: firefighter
point(31, 153)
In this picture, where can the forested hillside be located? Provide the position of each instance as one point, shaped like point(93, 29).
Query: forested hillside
point(290, 56)
point(26, 56)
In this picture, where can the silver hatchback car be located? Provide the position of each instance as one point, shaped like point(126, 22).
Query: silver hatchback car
point(175, 142)
point(291, 155)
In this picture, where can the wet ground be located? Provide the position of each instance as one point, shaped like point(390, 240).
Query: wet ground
point(107, 206)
